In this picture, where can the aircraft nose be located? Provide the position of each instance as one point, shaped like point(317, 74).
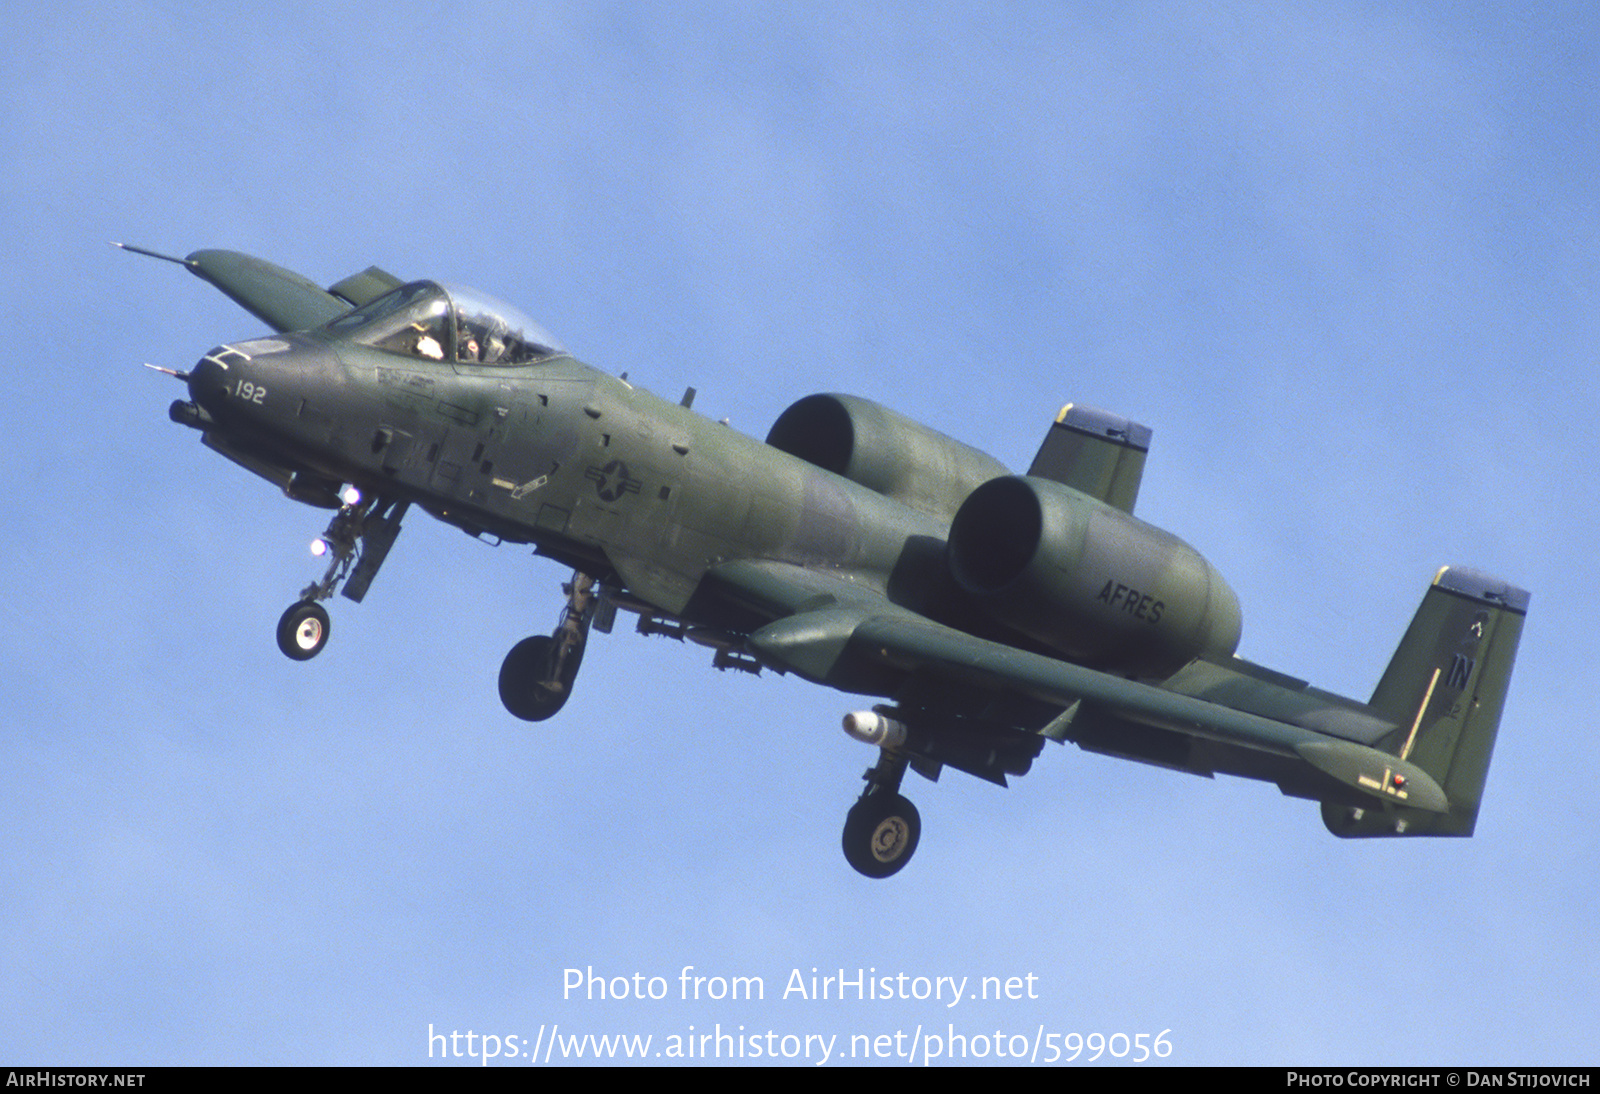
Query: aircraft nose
point(208, 380)
point(232, 380)
point(262, 384)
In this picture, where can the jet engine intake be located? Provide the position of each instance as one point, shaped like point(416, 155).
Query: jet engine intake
point(1088, 580)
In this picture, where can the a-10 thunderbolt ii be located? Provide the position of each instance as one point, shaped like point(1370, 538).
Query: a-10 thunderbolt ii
point(854, 547)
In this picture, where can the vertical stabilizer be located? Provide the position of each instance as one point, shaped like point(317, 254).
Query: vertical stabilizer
point(1444, 689)
point(1095, 453)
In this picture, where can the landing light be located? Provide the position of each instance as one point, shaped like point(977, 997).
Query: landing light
point(351, 496)
point(319, 546)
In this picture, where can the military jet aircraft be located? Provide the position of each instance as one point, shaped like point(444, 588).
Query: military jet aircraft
point(992, 612)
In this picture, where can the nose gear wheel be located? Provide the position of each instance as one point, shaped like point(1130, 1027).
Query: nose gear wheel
point(359, 537)
point(303, 630)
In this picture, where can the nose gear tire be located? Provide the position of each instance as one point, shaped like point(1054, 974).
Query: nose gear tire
point(303, 630)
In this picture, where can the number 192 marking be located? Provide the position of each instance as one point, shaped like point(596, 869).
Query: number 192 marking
point(250, 392)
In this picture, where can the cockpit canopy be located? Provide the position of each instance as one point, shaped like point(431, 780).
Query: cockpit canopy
point(447, 323)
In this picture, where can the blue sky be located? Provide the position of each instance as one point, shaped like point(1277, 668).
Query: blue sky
point(1342, 261)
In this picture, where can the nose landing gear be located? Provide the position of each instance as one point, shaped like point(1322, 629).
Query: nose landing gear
point(303, 630)
point(359, 537)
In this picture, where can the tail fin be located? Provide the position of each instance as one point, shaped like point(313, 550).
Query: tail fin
point(1094, 452)
point(1445, 688)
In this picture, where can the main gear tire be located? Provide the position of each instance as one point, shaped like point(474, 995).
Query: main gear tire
point(881, 832)
point(528, 686)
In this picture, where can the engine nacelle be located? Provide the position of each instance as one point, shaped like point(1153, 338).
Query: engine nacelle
point(1088, 580)
point(884, 451)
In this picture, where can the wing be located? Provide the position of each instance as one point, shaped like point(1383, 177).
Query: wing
point(283, 299)
point(1235, 718)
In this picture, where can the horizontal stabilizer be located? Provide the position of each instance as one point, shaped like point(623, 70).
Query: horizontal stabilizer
point(1352, 764)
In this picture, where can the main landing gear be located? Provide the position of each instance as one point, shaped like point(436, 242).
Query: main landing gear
point(537, 675)
point(359, 537)
point(882, 828)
